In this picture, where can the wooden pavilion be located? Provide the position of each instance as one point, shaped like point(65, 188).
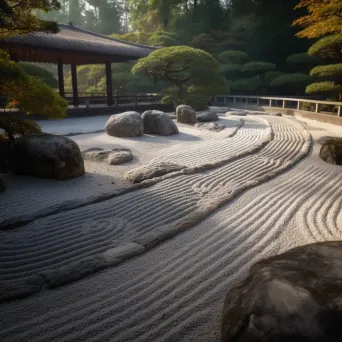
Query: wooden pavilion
point(74, 46)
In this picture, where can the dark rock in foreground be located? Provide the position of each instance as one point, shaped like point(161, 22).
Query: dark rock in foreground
point(46, 156)
point(157, 122)
point(331, 151)
point(127, 124)
point(207, 116)
point(294, 296)
point(113, 157)
point(151, 171)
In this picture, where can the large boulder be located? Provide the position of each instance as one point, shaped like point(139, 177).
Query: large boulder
point(128, 124)
point(207, 116)
point(331, 151)
point(186, 114)
point(157, 122)
point(112, 157)
point(294, 296)
point(47, 156)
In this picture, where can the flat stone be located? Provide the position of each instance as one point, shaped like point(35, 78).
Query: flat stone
point(151, 171)
point(211, 126)
point(294, 296)
point(123, 252)
point(112, 157)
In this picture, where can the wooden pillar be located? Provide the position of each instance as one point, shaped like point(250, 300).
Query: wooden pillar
point(60, 78)
point(109, 84)
point(317, 108)
point(284, 104)
point(74, 84)
point(339, 111)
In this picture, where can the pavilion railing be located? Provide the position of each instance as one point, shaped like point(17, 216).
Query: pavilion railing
point(323, 107)
point(135, 99)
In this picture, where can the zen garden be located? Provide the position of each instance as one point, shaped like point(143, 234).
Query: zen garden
point(171, 170)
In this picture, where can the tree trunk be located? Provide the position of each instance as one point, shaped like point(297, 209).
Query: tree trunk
point(194, 15)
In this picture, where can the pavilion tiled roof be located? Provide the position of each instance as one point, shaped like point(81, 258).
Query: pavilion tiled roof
point(73, 45)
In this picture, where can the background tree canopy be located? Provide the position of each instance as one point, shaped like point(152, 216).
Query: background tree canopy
point(254, 41)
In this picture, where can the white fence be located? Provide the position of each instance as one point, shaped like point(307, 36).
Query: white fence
point(323, 107)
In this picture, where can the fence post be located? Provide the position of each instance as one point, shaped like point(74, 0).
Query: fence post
point(270, 103)
point(317, 108)
point(298, 105)
point(136, 101)
point(234, 99)
point(339, 111)
point(258, 102)
point(284, 104)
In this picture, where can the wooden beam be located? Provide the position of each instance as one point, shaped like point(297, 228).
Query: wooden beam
point(74, 84)
point(109, 84)
point(60, 78)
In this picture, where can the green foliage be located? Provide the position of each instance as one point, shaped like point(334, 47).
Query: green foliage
point(193, 73)
point(29, 93)
point(258, 68)
point(204, 41)
point(17, 17)
point(324, 87)
point(134, 37)
point(327, 70)
point(247, 85)
point(231, 71)
point(271, 75)
point(233, 57)
point(14, 127)
point(291, 83)
point(162, 38)
point(328, 48)
point(43, 74)
point(302, 61)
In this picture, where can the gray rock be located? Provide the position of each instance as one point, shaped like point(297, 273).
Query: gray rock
point(151, 171)
point(112, 157)
point(186, 114)
point(47, 156)
point(207, 117)
point(157, 122)
point(276, 114)
point(294, 296)
point(211, 126)
point(128, 124)
point(331, 151)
